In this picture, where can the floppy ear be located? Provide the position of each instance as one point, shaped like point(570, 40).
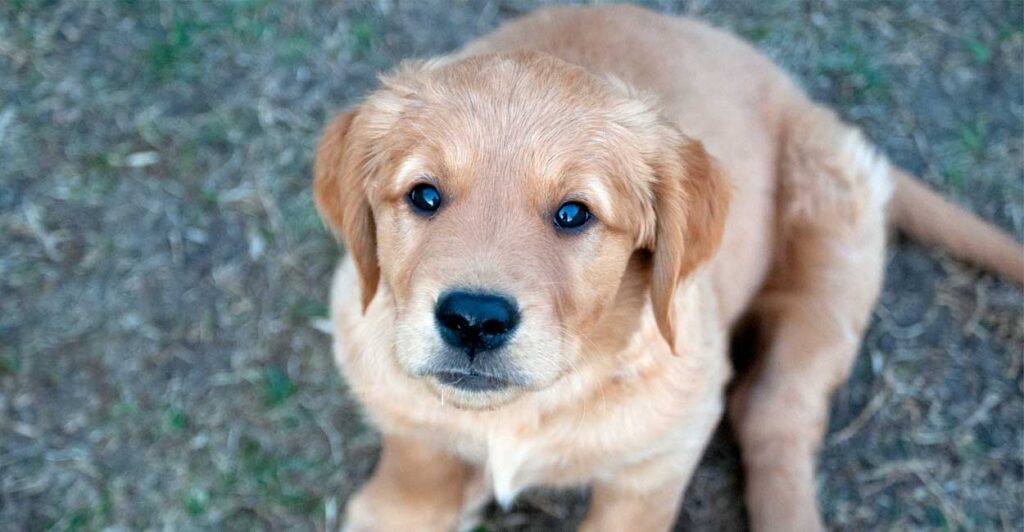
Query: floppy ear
point(339, 189)
point(691, 203)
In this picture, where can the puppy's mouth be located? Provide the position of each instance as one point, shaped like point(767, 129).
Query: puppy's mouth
point(472, 380)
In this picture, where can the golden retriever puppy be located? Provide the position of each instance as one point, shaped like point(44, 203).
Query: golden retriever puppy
point(551, 236)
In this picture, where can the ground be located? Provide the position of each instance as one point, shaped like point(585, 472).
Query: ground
point(163, 274)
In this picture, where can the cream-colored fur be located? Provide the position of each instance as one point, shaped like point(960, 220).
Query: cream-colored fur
point(684, 141)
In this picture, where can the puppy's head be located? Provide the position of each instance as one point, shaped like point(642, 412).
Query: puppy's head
point(514, 209)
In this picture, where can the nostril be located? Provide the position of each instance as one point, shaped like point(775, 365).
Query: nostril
point(494, 327)
point(454, 322)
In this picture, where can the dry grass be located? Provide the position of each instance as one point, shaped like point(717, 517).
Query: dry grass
point(163, 274)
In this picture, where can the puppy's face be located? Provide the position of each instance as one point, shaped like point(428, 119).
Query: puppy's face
point(500, 201)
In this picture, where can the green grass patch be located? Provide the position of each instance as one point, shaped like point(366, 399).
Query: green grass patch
point(275, 477)
point(756, 33)
point(31, 6)
point(299, 501)
point(858, 75)
point(973, 138)
point(306, 309)
point(122, 410)
point(979, 51)
point(197, 500)
point(936, 519)
point(175, 53)
point(295, 50)
point(364, 35)
point(9, 364)
point(277, 386)
point(210, 199)
point(175, 419)
point(80, 519)
point(955, 177)
point(249, 19)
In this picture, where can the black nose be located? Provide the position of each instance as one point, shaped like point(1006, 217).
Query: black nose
point(475, 322)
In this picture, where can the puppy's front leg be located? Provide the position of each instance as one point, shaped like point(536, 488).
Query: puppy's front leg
point(415, 487)
point(631, 501)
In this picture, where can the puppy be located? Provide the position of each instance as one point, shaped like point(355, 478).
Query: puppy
point(551, 236)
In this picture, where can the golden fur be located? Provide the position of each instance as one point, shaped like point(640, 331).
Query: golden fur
point(683, 141)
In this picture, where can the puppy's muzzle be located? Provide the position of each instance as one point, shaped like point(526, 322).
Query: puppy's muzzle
point(474, 326)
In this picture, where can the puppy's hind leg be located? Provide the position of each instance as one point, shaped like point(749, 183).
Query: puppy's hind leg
point(810, 317)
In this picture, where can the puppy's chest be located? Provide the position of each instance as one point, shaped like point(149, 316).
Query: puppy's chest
point(513, 457)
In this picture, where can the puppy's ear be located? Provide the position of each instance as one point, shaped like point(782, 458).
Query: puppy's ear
point(691, 204)
point(339, 189)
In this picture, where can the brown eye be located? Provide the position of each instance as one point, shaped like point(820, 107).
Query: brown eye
point(572, 216)
point(425, 199)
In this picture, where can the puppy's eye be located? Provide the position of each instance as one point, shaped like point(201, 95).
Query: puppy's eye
point(572, 215)
point(425, 199)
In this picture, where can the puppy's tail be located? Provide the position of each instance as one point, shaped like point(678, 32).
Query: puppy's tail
point(929, 218)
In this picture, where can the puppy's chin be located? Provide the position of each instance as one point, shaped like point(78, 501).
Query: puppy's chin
point(472, 399)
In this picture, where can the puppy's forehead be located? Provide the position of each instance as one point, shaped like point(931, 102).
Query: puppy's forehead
point(528, 114)
point(535, 113)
